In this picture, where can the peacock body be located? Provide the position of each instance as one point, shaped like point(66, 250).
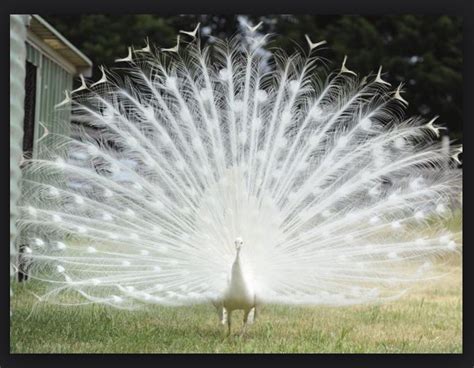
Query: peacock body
point(218, 176)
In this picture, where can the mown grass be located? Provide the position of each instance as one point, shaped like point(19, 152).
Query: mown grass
point(428, 319)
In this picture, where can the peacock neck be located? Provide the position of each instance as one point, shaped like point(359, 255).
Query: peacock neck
point(236, 267)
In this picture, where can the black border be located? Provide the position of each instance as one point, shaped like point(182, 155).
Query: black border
point(463, 8)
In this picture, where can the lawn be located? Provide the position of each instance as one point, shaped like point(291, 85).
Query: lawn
point(427, 319)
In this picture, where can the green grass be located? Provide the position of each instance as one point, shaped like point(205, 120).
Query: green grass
point(428, 319)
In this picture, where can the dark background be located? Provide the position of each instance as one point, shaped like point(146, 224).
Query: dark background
point(423, 52)
point(462, 8)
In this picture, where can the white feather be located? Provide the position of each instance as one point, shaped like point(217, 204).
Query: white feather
point(209, 153)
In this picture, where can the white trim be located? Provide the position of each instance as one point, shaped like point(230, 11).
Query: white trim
point(60, 37)
point(46, 50)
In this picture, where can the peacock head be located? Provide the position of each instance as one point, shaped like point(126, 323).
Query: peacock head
point(238, 243)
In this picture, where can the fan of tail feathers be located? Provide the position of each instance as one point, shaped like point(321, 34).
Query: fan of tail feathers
point(337, 196)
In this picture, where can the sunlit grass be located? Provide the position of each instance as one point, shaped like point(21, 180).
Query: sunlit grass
point(427, 319)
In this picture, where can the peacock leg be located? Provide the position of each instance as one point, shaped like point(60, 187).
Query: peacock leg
point(229, 314)
point(223, 316)
point(246, 317)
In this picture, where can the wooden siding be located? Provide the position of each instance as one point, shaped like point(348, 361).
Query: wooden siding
point(52, 81)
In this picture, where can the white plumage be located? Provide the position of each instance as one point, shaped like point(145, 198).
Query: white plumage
point(334, 192)
point(240, 293)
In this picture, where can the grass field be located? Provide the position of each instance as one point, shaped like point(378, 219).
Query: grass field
point(428, 319)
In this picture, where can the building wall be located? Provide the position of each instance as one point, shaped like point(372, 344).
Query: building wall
point(17, 94)
point(51, 82)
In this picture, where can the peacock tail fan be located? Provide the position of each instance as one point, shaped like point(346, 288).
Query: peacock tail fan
point(337, 195)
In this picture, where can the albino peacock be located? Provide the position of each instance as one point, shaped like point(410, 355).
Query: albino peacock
point(221, 176)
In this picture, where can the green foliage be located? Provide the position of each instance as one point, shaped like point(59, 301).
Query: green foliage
point(423, 52)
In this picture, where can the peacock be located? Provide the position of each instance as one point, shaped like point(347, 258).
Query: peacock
point(216, 174)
